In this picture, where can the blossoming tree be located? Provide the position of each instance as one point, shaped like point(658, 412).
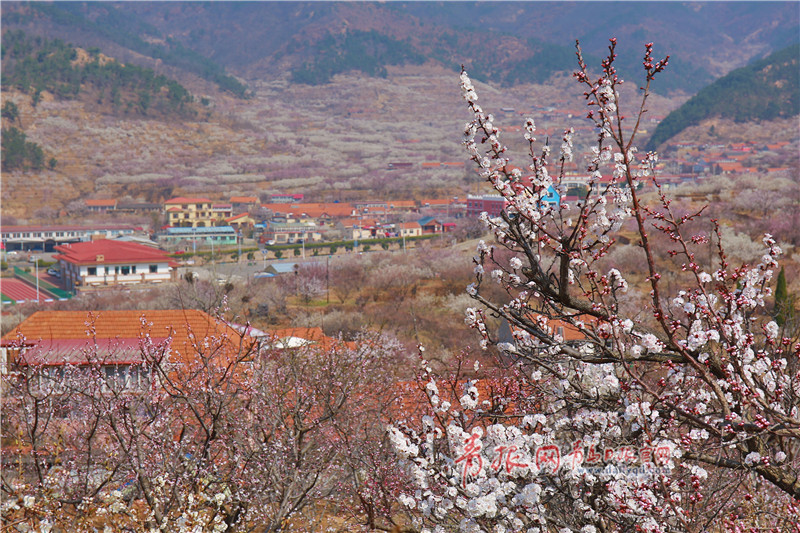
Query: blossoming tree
point(241, 434)
point(675, 416)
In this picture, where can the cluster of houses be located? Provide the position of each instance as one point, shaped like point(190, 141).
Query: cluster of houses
point(286, 219)
point(692, 159)
point(193, 223)
point(106, 255)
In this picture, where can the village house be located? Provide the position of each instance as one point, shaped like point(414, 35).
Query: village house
point(118, 341)
point(408, 229)
point(46, 237)
point(243, 203)
point(241, 222)
point(493, 204)
point(430, 225)
point(138, 207)
point(108, 262)
point(190, 212)
point(201, 236)
point(114, 340)
point(446, 207)
point(317, 211)
point(286, 198)
point(355, 229)
point(101, 205)
point(285, 230)
point(220, 212)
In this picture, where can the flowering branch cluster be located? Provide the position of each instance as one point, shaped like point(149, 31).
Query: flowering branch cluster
point(702, 371)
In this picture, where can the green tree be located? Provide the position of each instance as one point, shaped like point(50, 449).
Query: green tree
point(13, 148)
point(144, 102)
point(783, 302)
point(18, 152)
point(10, 111)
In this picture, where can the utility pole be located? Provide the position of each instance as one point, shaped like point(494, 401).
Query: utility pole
point(36, 266)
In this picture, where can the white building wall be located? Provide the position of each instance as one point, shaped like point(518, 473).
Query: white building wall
point(114, 277)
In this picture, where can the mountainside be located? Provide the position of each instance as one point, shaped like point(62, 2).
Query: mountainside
point(505, 42)
point(143, 101)
point(120, 33)
point(765, 90)
point(33, 64)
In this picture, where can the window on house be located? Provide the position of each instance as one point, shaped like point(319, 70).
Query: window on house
point(125, 377)
point(108, 270)
point(125, 270)
point(116, 270)
point(51, 378)
point(133, 269)
point(92, 271)
point(153, 269)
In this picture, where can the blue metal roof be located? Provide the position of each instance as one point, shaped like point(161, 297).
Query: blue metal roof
point(214, 230)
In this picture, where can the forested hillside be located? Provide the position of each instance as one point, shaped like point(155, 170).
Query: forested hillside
point(108, 22)
point(765, 90)
point(368, 52)
point(33, 64)
point(311, 41)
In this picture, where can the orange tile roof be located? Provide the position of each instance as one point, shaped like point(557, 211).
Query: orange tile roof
point(188, 328)
point(436, 201)
point(731, 167)
point(310, 334)
point(569, 332)
point(411, 400)
point(777, 145)
point(408, 225)
point(402, 204)
point(313, 210)
point(360, 222)
point(244, 199)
